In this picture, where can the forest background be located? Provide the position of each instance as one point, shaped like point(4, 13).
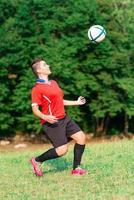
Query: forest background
point(57, 31)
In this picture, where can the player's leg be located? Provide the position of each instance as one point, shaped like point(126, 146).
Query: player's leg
point(74, 132)
point(79, 148)
point(50, 154)
point(56, 134)
point(62, 150)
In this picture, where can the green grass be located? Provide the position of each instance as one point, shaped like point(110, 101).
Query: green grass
point(110, 175)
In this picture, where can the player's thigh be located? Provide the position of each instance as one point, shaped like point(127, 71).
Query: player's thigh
point(79, 137)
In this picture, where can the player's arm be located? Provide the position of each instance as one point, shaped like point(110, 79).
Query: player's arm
point(80, 101)
point(49, 118)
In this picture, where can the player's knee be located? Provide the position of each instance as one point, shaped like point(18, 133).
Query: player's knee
point(62, 150)
point(82, 138)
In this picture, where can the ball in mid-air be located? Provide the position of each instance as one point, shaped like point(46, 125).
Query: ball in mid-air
point(96, 33)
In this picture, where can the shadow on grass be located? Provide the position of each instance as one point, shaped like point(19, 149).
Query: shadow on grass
point(57, 165)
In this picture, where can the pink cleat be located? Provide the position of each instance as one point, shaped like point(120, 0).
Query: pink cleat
point(78, 171)
point(36, 167)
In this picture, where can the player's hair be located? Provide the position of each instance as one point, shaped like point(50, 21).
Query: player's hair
point(35, 65)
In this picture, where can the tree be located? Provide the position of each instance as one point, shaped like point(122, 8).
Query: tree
point(57, 31)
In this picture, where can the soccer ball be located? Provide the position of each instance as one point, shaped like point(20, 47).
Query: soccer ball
point(96, 33)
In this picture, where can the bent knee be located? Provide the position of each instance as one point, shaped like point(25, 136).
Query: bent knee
point(81, 138)
point(62, 150)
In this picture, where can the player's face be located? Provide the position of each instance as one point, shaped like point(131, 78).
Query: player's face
point(44, 68)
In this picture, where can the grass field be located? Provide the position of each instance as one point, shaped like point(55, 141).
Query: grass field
point(110, 174)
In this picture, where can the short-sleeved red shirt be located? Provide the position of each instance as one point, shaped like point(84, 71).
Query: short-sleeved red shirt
point(50, 98)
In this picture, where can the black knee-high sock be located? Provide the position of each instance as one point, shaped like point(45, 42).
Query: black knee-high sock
point(78, 151)
point(50, 154)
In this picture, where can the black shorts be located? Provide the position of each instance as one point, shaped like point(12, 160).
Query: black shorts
point(60, 132)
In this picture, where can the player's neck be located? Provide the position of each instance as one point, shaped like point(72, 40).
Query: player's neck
point(43, 77)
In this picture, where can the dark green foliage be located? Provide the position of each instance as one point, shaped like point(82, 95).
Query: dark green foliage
point(57, 31)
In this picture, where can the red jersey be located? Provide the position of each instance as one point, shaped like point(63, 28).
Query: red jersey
point(50, 98)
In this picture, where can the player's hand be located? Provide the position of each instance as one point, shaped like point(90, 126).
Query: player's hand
point(81, 100)
point(50, 118)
